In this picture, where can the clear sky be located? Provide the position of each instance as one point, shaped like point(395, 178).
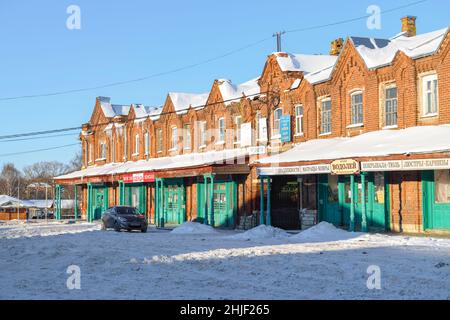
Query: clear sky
point(122, 40)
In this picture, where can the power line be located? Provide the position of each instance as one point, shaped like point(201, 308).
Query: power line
point(37, 138)
point(118, 83)
point(37, 133)
point(38, 150)
point(354, 19)
point(190, 66)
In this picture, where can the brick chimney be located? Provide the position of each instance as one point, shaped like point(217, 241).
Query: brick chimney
point(336, 46)
point(409, 26)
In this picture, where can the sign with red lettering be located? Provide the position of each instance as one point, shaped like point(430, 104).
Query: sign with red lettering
point(139, 177)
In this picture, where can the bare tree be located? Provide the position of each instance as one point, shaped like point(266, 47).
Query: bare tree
point(10, 178)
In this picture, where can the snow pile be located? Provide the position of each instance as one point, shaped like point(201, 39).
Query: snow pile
point(182, 100)
point(261, 232)
point(193, 228)
point(324, 231)
point(44, 229)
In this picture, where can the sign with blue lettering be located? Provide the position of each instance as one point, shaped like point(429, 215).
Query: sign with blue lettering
point(285, 128)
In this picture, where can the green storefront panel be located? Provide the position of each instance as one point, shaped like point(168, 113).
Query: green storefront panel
point(97, 201)
point(436, 205)
point(335, 199)
point(135, 195)
point(224, 199)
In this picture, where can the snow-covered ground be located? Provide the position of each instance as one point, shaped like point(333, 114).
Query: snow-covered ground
point(195, 263)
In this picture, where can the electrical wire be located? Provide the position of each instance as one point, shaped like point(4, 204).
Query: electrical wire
point(38, 150)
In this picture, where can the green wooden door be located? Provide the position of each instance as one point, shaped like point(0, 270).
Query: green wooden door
point(328, 191)
point(136, 196)
point(174, 202)
point(436, 199)
point(224, 203)
point(376, 201)
point(99, 202)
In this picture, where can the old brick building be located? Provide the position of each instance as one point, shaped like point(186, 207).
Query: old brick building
point(356, 138)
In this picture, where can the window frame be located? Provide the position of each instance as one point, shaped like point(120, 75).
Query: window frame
point(433, 78)
point(187, 139)
point(299, 119)
point(137, 146)
point(146, 143)
point(221, 130)
point(386, 88)
point(173, 138)
point(159, 140)
point(237, 136)
point(329, 118)
point(356, 109)
point(277, 123)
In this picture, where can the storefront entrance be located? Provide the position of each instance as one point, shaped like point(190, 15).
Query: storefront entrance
point(97, 201)
point(223, 203)
point(436, 199)
point(174, 201)
point(135, 196)
point(335, 200)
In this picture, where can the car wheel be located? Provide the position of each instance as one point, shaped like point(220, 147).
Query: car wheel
point(144, 230)
point(116, 227)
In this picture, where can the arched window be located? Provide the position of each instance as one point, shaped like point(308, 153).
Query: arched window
point(136, 144)
point(298, 120)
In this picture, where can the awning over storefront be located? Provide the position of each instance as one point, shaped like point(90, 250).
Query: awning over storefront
point(230, 156)
point(414, 140)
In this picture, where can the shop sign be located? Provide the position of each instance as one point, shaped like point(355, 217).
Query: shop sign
point(246, 134)
point(406, 165)
point(285, 128)
point(345, 166)
point(139, 177)
point(296, 170)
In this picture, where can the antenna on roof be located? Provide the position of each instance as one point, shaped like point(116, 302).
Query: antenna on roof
point(278, 35)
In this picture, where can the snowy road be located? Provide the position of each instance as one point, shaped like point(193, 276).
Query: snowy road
point(320, 263)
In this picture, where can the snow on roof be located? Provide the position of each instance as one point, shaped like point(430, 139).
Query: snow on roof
point(295, 84)
point(306, 63)
point(8, 201)
point(380, 52)
point(163, 163)
point(372, 144)
point(112, 110)
point(233, 92)
point(42, 203)
point(182, 100)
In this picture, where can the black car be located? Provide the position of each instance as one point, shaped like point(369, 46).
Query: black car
point(124, 217)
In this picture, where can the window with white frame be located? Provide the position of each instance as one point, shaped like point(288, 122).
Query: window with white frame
point(390, 106)
point(125, 147)
point(357, 107)
point(430, 95)
point(159, 140)
point(221, 125)
point(187, 136)
point(277, 114)
point(299, 120)
point(174, 138)
point(88, 152)
point(202, 134)
point(136, 144)
point(237, 128)
point(325, 116)
point(146, 143)
point(113, 149)
point(102, 150)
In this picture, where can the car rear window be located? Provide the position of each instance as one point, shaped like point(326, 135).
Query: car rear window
point(126, 210)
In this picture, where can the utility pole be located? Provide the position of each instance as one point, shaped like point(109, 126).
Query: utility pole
point(278, 35)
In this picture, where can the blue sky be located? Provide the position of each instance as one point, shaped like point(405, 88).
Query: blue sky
point(121, 40)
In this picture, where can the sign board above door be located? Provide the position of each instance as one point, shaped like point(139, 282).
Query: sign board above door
point(139, 177)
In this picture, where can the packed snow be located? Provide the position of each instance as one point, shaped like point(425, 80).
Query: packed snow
point(260, 232)
point(319, 263)
point(191, 227)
